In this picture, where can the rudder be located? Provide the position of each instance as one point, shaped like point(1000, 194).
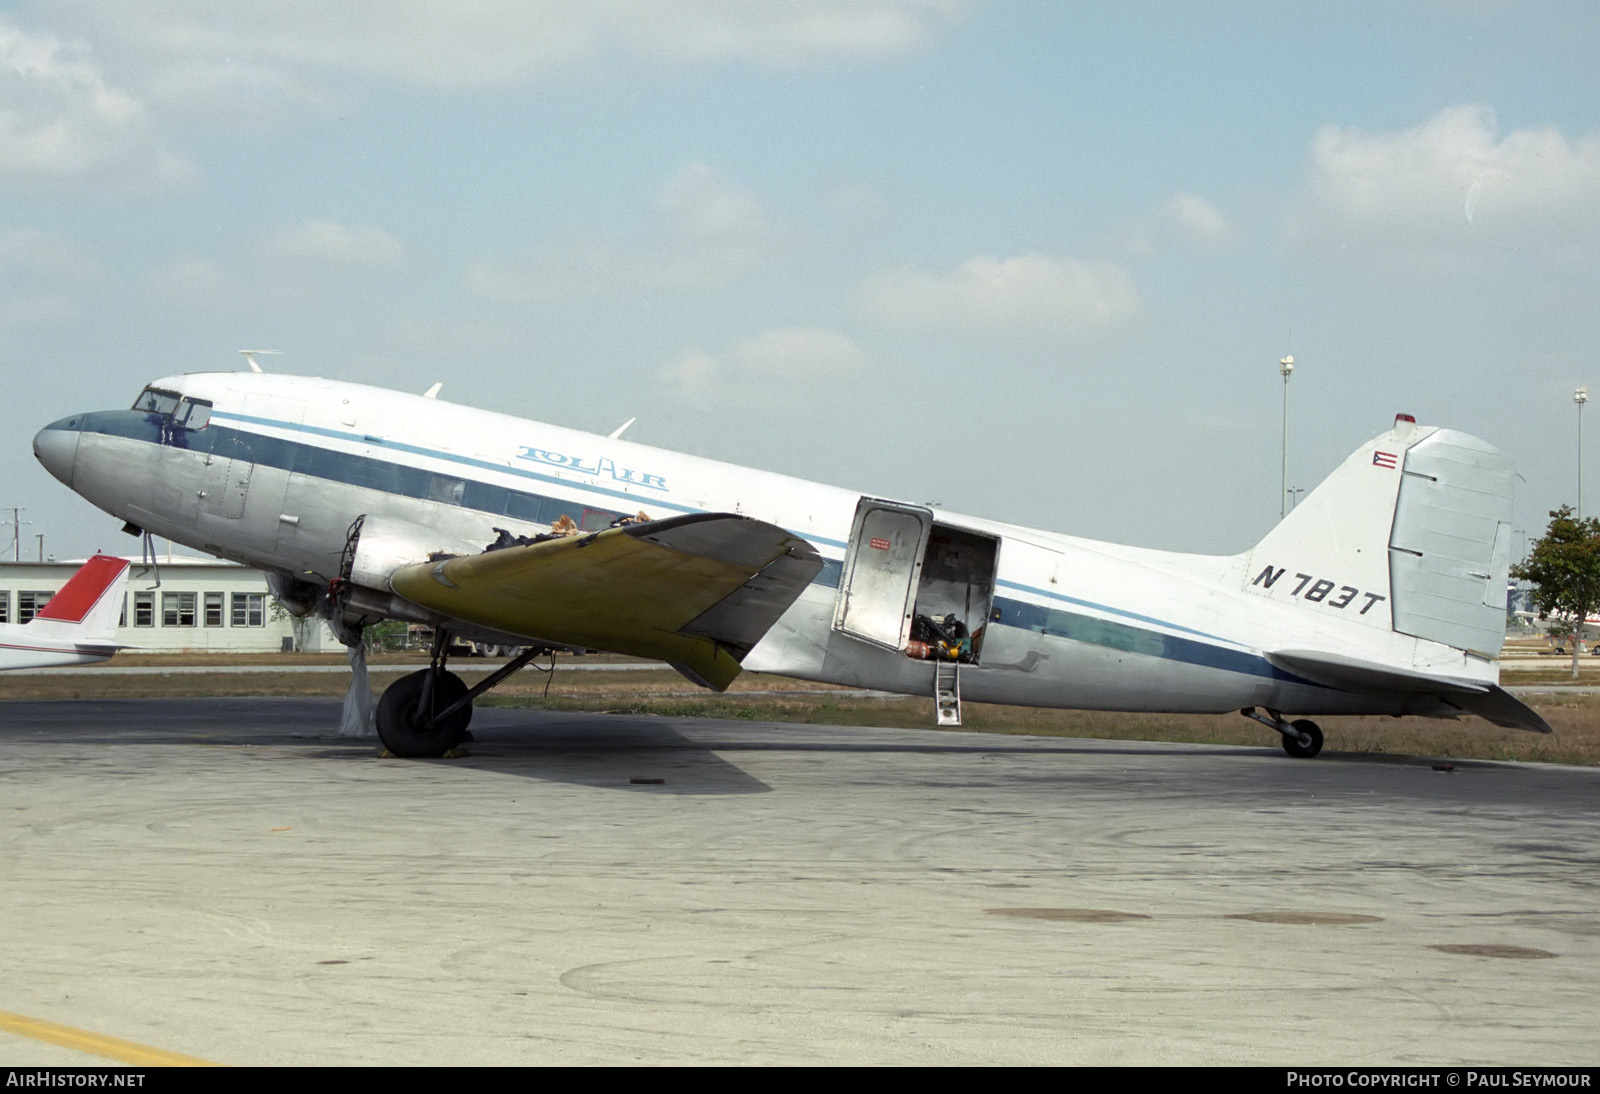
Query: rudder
point(1410, 534)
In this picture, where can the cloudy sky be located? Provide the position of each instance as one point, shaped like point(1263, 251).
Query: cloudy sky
point(1032, 260)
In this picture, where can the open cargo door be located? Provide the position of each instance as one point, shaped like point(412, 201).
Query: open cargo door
point(882, 565)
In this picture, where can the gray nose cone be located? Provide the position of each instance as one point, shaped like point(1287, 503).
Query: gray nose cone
point(56, 446)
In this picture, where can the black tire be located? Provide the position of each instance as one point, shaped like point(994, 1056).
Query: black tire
point(1313, 744)
point(406, 730)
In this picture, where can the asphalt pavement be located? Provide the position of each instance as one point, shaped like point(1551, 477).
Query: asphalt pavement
point(224, 880)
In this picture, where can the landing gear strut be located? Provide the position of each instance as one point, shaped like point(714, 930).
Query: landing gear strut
point(426, 713)
point(1302, 738)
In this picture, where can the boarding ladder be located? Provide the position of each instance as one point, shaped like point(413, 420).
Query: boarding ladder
point(947, 692)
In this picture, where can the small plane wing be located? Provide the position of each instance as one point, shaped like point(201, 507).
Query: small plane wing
point(696, 591)
point(1490, 702)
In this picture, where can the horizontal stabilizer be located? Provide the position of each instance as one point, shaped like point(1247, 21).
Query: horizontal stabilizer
point(1488, 701)
point(696, 591)
point(1502, 708)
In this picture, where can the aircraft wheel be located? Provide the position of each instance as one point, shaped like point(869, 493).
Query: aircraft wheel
point(1313, 735)
point(406, 730)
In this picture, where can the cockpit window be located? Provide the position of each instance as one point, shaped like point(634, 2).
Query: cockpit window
point(186, 412)
point(156, 401)
point(193, 413)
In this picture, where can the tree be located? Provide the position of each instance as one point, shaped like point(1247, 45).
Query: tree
point(1564, 567)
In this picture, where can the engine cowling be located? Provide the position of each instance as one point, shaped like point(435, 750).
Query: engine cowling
point(382, 545)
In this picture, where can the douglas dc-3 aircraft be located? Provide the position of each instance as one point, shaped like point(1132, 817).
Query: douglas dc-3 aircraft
point(77, 627)
point(1382, 593)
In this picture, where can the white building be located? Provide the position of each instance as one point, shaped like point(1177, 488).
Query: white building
point(199, 604)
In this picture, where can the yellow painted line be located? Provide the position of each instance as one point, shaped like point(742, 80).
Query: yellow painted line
point(97, 1044)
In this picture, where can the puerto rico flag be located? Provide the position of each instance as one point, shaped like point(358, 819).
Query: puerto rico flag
point(1385, 459)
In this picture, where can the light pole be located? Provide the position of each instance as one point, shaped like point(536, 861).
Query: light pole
point(1285, 366)
point(1580, 397)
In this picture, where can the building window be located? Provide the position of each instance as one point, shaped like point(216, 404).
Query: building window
point(144, 609)
point(213, 609)
point(249, 610)
point(177, 609)
point(30, 604)
point(5, 605)
point(122, 620)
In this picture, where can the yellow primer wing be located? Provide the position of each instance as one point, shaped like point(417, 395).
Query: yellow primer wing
point(696, 591)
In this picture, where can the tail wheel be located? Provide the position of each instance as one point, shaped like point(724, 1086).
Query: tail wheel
point(1306, 740)
point(408, 730)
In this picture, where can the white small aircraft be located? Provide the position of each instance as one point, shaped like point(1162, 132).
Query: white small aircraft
point(77, 627)
point(1382, 593)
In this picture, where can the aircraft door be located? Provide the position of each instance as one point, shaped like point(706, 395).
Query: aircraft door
point(255, 491)
point(882, 565)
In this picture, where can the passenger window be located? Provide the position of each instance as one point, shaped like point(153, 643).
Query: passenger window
point(447, 489)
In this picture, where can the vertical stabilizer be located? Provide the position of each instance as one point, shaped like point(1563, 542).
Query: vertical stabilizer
point(88, 606)
point(1411, 534)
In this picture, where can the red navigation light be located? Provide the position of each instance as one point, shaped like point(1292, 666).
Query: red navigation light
point(1405, 418)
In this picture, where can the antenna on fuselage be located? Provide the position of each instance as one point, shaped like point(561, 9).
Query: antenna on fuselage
point(433, 392)
point(250, 357)
point(616, 434)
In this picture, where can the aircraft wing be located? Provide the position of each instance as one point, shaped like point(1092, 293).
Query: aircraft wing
point(1490, 702)
point(696, 591)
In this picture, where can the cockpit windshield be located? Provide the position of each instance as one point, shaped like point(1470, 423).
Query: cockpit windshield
point(156, 401)
point(186, 412)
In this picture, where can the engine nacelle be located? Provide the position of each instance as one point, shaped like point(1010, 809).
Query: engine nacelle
point(378, 547)
point(384, 545)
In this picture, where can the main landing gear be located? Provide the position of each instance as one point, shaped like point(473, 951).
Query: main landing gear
point(426, 714)
point(1302, 738)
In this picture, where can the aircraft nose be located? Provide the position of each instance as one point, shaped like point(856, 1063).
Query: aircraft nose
point(56, 446)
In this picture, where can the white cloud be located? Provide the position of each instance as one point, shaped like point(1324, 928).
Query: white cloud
point(1197, 218)
point(779, 31)
point(1027, 295)
point(329, 242)
point(698, 205)
point(493, 43)
point(236, 93)
point(1451, 177)
point(1183, 216)
point(790, 364)
point(704, 233)
point(58, 114)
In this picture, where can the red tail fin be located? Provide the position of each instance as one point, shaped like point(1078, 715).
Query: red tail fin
point(84, 590)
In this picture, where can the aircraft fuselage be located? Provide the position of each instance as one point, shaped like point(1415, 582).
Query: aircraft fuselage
point(272, 471)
